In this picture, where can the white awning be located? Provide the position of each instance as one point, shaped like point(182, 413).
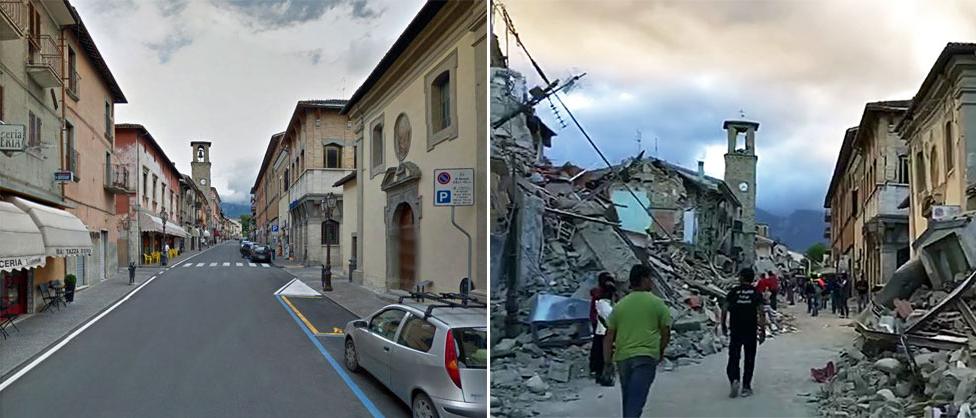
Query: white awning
point(21, 244)
point(175, 230)
point(64, 234)
point(149, 223)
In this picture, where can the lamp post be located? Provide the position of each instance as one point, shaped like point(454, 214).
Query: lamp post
point(163, 217)
point(328, 204)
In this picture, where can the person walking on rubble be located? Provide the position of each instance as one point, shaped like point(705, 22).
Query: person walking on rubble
point(601, 305)
point(843, 294)
point(638, 331)
point(742, 314)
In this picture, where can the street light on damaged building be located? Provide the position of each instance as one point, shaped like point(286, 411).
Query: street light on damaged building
point(328, 204)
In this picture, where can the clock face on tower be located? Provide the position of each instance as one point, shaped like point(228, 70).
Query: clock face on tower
point(744, 186)
point(204, 182)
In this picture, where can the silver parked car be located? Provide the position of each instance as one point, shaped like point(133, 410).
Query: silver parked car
point(433, 357)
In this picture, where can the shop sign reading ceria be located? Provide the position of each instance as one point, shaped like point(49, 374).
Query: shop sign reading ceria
point(12, 138)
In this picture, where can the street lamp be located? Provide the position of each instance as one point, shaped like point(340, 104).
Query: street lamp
point(328, 204)
point(163, 217)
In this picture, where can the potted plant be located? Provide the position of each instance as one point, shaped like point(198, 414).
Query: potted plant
point(69, 287)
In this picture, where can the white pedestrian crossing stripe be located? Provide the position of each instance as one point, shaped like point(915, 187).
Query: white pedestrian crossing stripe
point(239, 264)
point(264, 265)
point(252, 264)
point(199, 264)
point(213, 264)
point(226, 264)
point(188, 265)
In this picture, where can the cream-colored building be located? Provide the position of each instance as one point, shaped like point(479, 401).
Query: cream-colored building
point(940, 129)
point(422, 108)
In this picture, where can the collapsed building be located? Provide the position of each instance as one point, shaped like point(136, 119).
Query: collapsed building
point(555, 228)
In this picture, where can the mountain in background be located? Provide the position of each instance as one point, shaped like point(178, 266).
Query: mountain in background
point(799, 230)
point(235, 210)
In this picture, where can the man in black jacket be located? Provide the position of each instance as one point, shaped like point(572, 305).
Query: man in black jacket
point(743, 309)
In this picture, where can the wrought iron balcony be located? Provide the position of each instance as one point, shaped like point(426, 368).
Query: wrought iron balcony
point(13, 19)
point(44, 61)
point(117, 179)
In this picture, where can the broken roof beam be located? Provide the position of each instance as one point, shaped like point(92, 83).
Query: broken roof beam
point(581, 217)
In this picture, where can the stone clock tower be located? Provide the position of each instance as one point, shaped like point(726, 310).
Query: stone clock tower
point(200, 166)
point(740, 175)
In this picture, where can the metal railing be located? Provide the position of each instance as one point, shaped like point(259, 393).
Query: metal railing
point(45, 51)
point(16, 11)
point(74, 83)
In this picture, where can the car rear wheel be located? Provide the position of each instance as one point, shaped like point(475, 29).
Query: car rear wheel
point(423, 407)
point(351, 358)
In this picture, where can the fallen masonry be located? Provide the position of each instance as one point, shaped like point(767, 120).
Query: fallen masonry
point(555, 228)
point(916, 352)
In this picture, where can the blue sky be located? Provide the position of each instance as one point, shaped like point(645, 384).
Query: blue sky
point(675, 70)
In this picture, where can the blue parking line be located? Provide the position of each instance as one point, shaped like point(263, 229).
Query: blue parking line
point(335, 365)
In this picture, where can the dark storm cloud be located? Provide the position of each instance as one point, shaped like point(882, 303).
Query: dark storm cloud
point(271, 14)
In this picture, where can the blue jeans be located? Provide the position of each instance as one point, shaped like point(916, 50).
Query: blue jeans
point(636, 376)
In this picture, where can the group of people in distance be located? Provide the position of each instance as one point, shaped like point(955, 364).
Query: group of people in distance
point(631, 332)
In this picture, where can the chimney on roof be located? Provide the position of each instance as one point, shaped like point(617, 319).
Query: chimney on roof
point(701, 169)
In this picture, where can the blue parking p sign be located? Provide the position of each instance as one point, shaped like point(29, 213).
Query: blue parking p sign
point(443, 197)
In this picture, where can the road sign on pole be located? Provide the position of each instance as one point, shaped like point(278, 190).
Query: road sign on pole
point(454, 187)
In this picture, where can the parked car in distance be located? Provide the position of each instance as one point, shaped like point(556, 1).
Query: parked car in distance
point(432, 357)
point(246, 248)
point(260, 254)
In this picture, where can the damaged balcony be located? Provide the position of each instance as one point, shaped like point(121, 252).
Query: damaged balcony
point(13, 19)
point(44, 61)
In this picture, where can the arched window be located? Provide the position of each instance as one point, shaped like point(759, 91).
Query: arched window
point(949, 154)
point(330, 232)
point(333, 156)
point(934, 166)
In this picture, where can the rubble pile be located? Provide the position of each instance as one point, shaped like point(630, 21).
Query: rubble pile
point(894, 384)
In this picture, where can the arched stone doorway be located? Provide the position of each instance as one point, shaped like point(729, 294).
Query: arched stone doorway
point(406, 246)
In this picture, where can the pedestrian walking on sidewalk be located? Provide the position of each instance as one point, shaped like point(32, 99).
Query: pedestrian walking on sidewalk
point(165, 256)
point(813, 291)
point(638, 331)
point(603, 297)
point(861, 286)
point(742, 314)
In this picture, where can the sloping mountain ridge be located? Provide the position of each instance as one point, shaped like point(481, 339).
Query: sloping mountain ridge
point(235, 210)
point(799, 230)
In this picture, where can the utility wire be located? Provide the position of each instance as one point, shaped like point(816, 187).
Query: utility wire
point(510, 27)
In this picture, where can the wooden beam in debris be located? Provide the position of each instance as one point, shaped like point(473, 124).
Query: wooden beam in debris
point(949, 300)
point(967, 314)
point(581, 217)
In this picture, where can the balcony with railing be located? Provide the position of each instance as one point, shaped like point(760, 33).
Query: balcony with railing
point(13, 19)
point(44, 61)
point(74, 84)
point(885, 201)
point(117, 179)
point(316, 182)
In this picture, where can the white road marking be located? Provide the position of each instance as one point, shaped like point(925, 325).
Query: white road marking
point(226, 264)
point(20, 373)
point(188, 265)
point(252, 264)
point(213, 264)
point(264, 265)
point(286, 285)
point(200, 264)
point(239, 264)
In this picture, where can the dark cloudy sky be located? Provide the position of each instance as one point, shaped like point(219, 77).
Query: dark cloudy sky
point(231, 71)
point(676, 69)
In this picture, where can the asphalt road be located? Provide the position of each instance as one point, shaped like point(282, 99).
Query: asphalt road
point(203, 341)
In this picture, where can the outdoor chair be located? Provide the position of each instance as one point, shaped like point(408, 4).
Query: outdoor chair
point(47, 297)
point(58, 288)
point(6, 319)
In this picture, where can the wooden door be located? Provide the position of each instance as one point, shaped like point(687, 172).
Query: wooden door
point(406, 247)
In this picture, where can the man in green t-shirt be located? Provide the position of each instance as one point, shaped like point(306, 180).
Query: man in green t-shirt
point(638, 331)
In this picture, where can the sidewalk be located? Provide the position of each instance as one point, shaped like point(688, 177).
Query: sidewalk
point(357, 299)
point(41, 330)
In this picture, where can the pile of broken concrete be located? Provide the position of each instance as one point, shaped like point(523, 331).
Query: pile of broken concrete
point(891, 384)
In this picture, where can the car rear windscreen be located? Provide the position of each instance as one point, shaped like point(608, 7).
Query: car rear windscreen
point(473, 346)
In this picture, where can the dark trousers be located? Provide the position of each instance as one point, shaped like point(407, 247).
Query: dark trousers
point(738, 343)
point(823, 300)
point(813, 305)
point(790, 295)
point(842, 307)
point(772, 298)
point(596, 354)
point(862, 301)
point(636, 376)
